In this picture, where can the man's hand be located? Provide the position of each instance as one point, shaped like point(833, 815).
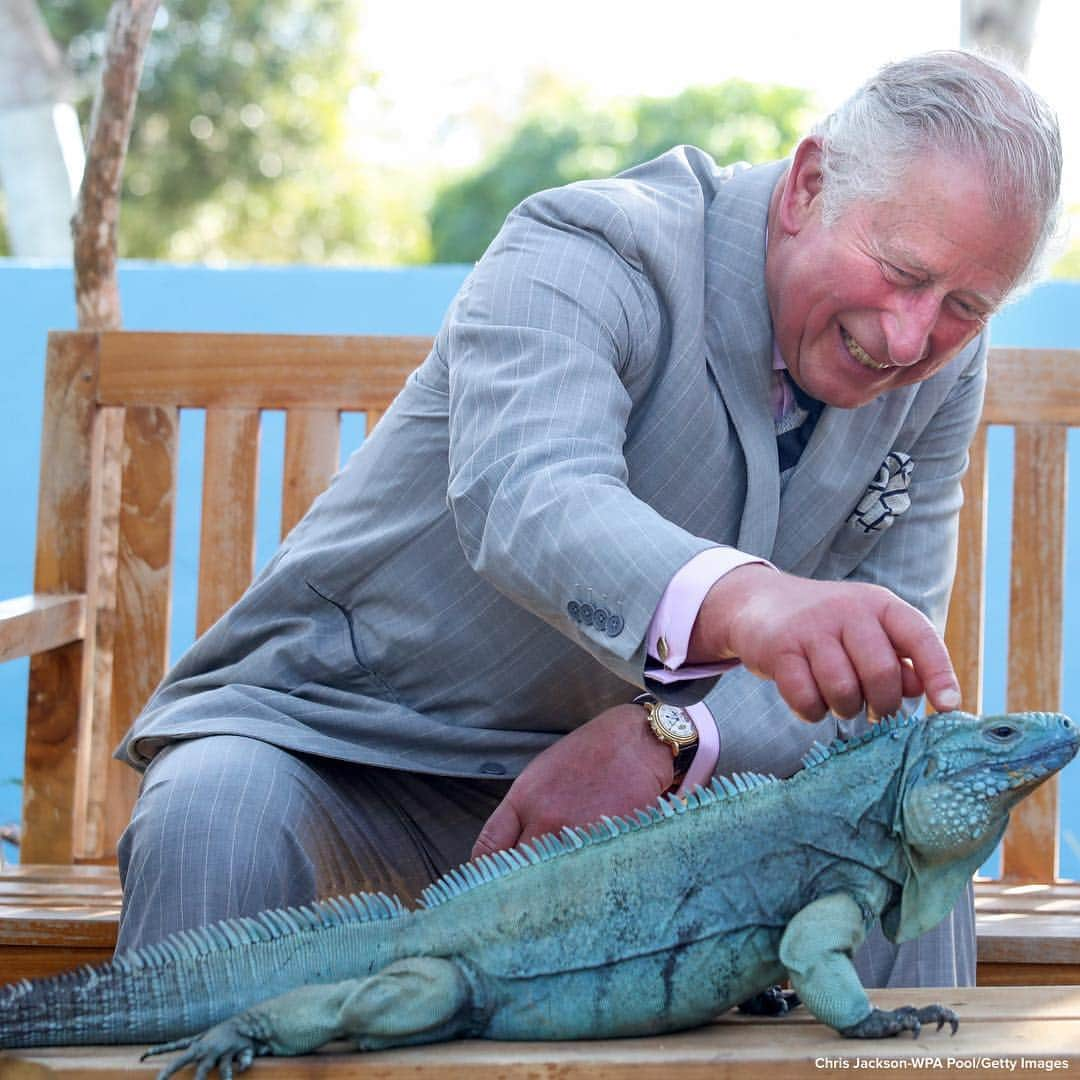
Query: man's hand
point(611, 765)
point(827, 644)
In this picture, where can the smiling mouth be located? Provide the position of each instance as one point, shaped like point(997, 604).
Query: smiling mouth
point(859, 353)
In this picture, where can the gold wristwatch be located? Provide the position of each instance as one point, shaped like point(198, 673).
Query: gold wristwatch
point(673, 727)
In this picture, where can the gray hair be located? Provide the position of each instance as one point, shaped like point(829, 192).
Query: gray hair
point(958, 102)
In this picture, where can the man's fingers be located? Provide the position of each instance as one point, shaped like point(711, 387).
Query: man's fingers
point(877, 665)
point(837, 680)
point(914, 636)
point(912, 684)
point(500, 831)
point(797, 686)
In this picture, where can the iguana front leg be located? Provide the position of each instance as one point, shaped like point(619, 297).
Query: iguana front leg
point(817, 950)
point(422, 999)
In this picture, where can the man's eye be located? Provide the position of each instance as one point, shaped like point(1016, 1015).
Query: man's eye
point(968, 311)
point(905, 277)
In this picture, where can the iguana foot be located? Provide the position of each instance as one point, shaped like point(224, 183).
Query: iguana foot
point(772, 1002)
point(230, 1044)
point(882, 1023)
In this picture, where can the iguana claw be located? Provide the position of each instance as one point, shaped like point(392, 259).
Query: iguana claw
point(881, 1023)
point(225, 1046)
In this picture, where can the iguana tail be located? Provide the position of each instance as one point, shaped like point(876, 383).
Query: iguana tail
point(194, 979)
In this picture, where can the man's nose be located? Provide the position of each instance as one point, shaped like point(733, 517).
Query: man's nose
point(909, 325)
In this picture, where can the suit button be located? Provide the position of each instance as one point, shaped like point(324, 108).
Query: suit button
point(600, 618)
point(615, 624)
point(493, 768)
point(573, 609)
point(587, 614)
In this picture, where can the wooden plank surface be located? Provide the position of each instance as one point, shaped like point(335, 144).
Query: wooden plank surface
point(964, 631)
point(23, 872)
point(1033, 385)
point(143, 597)
point(39, 961)
point(94, 749)
point(312, 448)
point(1036, 615)
point(1027, 937)
point(263, 371)
point(1062, 897)
point(997, 1025)
point(34, 623)
point(55, 918)
point(1002, 973)
point(1028, 934)
point(52, 717)
point(229, 501)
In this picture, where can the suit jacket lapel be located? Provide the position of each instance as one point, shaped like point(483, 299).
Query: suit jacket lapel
point(843, 456)
point(738, 334)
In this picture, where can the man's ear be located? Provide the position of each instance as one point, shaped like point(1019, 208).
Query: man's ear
point(802, 186)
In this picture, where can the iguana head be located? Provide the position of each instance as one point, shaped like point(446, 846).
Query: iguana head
point(965, 774)
point(962, 775)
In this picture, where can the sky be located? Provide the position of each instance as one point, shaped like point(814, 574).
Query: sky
point(442, 64)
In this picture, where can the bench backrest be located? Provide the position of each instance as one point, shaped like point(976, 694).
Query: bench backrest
point(1037, 393)
point(105, 538)
point(105, 528)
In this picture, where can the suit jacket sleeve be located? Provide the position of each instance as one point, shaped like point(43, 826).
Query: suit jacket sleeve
point(550, 346)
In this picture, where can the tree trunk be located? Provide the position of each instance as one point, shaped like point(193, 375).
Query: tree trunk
point(1004, 28)
point(97, 297)
point(41, 151)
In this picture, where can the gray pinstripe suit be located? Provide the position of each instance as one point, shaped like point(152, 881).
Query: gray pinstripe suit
point(594, 412)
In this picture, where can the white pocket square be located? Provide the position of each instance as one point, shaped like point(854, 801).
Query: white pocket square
point(887, 496)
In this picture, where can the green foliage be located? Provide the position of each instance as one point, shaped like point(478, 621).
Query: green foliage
point(240, 148)
point(563, 139)
point(239, 144)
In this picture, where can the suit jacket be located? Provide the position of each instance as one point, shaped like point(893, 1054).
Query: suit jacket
point(480, 577)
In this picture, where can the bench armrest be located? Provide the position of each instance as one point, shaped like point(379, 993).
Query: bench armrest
point(39, 622)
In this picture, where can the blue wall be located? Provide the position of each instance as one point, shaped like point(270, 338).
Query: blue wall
point(35, 299)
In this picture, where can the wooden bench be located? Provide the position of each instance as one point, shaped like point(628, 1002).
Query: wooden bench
point(96, 626)
point(1028, 922)
point(996, 1024)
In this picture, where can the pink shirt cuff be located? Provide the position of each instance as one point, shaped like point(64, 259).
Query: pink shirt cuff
point(673, 621)
point(708, 751)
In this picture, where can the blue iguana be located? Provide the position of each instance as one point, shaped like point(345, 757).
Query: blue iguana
point(636, 925)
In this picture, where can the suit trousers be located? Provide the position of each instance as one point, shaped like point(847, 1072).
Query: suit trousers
point(227, 825)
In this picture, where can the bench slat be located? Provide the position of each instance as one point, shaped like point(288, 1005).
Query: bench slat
point(92, 759)
point(312, 449)
point(256, 371)
point(143, 599)
point(1033, 386)
point(1036, 612)
point(964, 630)
point(37, 623)
point(994, 1024)
point(229, 501)
point(64, 497)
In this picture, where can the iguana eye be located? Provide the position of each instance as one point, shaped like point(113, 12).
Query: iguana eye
point(1001, 732)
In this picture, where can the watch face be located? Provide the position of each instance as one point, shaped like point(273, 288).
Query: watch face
point(676, 722)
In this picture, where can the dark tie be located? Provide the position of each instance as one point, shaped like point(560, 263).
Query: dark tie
point(796, 432)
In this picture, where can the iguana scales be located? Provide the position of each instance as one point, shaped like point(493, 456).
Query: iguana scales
point(635, 925)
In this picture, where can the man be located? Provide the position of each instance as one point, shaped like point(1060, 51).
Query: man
point(602, 479)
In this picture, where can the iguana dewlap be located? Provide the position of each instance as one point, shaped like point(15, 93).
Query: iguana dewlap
point(632, 926)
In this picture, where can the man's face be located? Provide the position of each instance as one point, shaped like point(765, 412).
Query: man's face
point(893, 289)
